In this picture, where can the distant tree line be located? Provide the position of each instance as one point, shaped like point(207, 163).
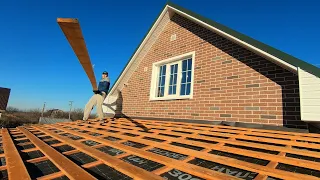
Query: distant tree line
point(14, 117)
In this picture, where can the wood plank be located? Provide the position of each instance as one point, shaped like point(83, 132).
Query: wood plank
point(229, 141)
point(111, 161)
point(15, 166)
point(210, 157)
point(72, 170)
point(190, 168)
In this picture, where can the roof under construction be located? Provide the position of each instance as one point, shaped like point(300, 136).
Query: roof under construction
point(148, 149)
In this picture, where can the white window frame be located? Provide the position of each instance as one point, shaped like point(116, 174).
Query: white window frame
point(168, 62)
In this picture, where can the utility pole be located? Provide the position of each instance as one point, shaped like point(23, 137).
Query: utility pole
point(44, 106)
point(70, 104)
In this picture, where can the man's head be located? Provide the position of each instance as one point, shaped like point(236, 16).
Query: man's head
point(104, 74)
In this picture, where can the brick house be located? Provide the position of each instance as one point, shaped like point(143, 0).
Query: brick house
point(191, 68)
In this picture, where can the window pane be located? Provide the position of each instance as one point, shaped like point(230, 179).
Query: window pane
point(175, 79)
point(160, 73)
point(159, 92)
point(184, 65)
point(163, 80)
point(189, 64)
point(176, 68)
point(171, 79)
point(188, 89)
point(189, 76)
point(164, 70)
point(183, 89)
point(171, 69)
point(170, 89)
point(183, 80)
point(174, 91)
point(159, 81)
point(162, 91)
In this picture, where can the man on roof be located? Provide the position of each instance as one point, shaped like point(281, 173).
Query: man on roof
point(98, 98)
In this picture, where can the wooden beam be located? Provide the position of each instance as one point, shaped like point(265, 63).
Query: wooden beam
point(72, 31)
point(72, 170)
point(15, 166)
point(109, 160)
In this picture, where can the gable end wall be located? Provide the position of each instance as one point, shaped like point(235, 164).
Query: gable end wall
point(230, 82)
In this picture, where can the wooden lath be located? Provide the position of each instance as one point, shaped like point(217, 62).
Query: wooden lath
point(64, 164)
point(219, 159)
point(15, 165)
point(198, 171)
point(107, 159)
point(206, 138)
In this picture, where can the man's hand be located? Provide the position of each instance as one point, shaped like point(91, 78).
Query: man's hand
point(96, 91)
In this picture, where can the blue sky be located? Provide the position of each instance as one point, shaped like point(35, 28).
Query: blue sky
point(38, 64)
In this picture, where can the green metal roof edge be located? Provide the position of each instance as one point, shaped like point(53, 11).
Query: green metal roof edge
point(138, 46)
point(273, 51)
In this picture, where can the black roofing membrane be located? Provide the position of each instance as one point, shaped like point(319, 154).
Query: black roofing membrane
point(28, 146)
point(22, 141)
point(176, 174)
point(3, 161)
point(308, 158)
point(4, 175)
point(142, 162)
point(130, 134)
point(296, 169)
point(253, 149)
point(64, 148)
point(202, 140)
point(170, 135)
point(305, 148)
point(169, 154)
point(52, 142)
point(153, 139)
point(184, 132)
point(81, 158)
point(265, 143)
point(240, 157)
point(31, 155)
point(105, 172)
point(215, 136)
point(134, 144)
point(111, 138)
point(44, 137)
point(110, 150)
point(239, 173)
point(267, 137)
point(90, 143)
point(41, 168)
point(197, 148)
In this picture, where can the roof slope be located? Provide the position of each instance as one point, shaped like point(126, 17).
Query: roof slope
point(264, 47)
point(145, 149)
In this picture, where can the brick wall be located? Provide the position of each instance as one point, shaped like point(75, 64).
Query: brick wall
point(230, 82)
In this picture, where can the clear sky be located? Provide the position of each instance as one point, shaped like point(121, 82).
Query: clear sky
point(38, 64)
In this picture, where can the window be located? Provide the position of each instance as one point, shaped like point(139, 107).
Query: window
point(173, 78)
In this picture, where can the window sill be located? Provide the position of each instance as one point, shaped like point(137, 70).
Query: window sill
point(170, 98)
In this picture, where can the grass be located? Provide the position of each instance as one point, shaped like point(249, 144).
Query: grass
point(14, 117)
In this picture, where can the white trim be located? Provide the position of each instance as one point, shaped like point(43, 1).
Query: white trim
point(299, 81)
point(139, 49)
point(169, 61)
point(234, 39)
